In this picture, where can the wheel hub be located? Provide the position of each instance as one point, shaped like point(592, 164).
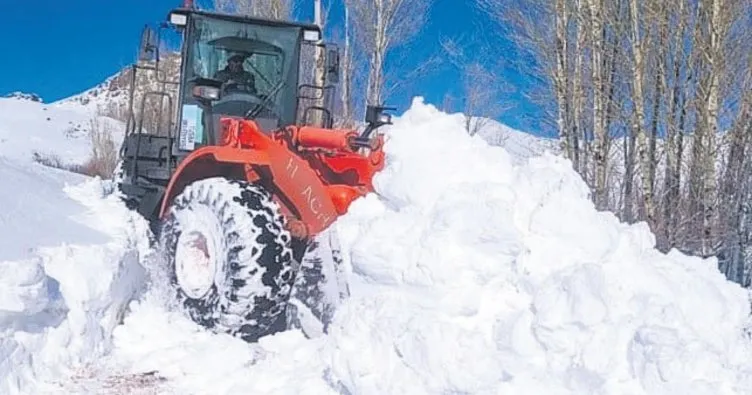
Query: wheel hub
point(195, 265)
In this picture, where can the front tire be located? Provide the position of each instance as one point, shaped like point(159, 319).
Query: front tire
point(229, 257)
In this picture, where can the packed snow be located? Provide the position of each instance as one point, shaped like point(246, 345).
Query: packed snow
point(469, 271)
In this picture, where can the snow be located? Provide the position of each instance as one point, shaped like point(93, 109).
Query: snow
point(18, 95)
point(520, 145)
point(495, 278)
point(69, 257)
point(470, 271)
point(60, 304)
point(54, 132)
point(32, 199)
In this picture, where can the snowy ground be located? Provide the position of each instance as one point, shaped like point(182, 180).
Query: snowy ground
point(60, 303)
point(471, 272)
point(69, 259)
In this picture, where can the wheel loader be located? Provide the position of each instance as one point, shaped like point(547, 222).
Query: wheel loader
point(243, 167)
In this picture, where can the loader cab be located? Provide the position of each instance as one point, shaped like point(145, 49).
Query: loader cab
point(264, 86)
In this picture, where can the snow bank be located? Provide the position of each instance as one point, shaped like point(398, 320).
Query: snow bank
point(32, 199)
point(60, 304)
point(486, 277)
point(470, 274)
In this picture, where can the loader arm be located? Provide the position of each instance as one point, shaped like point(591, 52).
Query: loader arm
point(310, 200)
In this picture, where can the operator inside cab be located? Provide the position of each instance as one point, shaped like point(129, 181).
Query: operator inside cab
point(235, 75)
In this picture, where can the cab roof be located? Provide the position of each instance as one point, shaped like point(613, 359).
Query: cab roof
point(246, 19)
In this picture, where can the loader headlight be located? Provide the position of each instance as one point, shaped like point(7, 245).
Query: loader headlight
point(311, 35)
point(178, 19)
point(206, 92)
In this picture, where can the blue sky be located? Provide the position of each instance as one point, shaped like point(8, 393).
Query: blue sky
point(62, 48)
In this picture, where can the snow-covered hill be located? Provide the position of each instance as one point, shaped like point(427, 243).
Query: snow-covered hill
point(111, 97)
point(24, 96)
point(472, 270)
point(520, 145)
point(34, 131)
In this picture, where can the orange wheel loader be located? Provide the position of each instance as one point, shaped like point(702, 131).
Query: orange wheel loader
point(242, 177)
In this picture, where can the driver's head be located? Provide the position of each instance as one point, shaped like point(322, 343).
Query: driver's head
point(235, 63)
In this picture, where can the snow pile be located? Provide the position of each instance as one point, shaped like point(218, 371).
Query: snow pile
point(470, 274)
point(60, 303)
point(485, 277)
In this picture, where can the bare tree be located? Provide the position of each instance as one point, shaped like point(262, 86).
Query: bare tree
point(672, 81)
point(595, 14)
point(546, 51)
point(482, 89)
point(380, 26)
point(270, 9)
point(638, 70)
point(577, 90)
point(675, 55)
point(561, 84)
point(347, 68)
point(735, 182)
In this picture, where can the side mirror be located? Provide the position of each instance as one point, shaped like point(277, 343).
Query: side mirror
point(148, 48)
point(332, 65)
point(375, 115)
point(376, 118)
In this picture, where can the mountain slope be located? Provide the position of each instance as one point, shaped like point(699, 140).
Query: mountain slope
point(33, 131)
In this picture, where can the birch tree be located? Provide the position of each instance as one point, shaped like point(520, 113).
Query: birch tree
point(735, 181)
point(539, 30)
point(576, 134)
point(673, 80)
point(567, 140)
point(672, 171)
point(347, 67)
point(638, 127)
point(595, 14)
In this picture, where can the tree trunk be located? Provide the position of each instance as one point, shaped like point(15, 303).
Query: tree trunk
point(560, 80)
point(347, 65)
point(709, 185)
point(639, 109)
point(671, 181)
point(599, 134)
point(629, 165)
